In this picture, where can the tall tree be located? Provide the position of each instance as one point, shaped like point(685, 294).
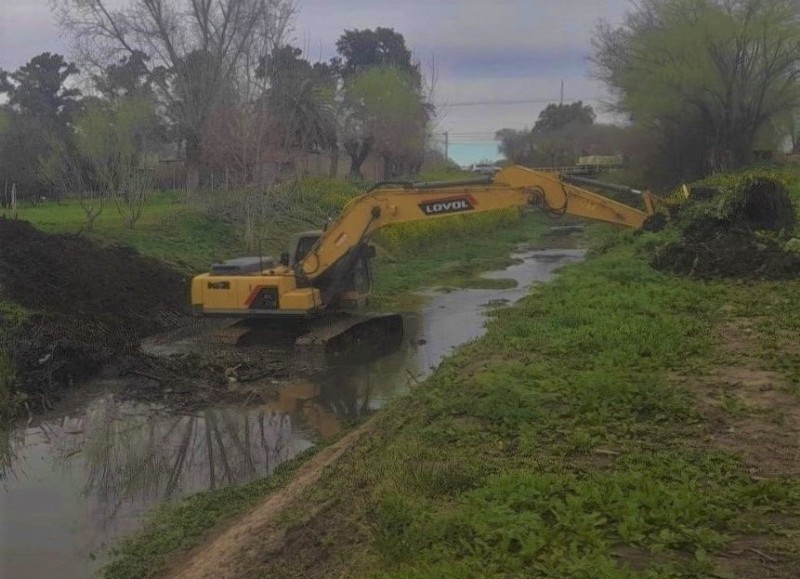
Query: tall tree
point(39, 89)
point(303, 96)
point(127, 78)
point(562, 147)
point(40, 107)
point(361, 50)
point(518, 146)
point(393, 115)
point(199, 52)
point(369, 108)
point(707, 75)
point(558, 116)
point(296, 111)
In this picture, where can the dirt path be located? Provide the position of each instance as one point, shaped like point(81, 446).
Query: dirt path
point(751, 411)
point(253, 536)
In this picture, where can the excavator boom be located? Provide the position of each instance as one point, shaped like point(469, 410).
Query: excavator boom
point(512, 187)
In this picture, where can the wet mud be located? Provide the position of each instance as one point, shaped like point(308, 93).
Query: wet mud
point(87, 304)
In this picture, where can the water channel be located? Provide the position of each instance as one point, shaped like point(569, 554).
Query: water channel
point(73, 481)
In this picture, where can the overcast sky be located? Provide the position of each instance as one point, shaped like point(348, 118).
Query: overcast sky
point(485, 51)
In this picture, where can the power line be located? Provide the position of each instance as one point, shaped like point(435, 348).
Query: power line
point(465, 133)
point(514, 102)
point(464, 137)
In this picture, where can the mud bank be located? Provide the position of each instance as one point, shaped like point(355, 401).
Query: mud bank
point(82, 305)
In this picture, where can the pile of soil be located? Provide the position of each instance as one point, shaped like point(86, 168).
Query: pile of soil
point(739, 232)
point(89, 303)
point(729, 255)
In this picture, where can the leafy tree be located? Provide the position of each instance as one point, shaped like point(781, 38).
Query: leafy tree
point(39, 89)
point(561, 134)
point(390, 117)
point(562, 147)
point(706, 75)
point(296, 111)
point(518, 146)
point(303, 96)
point(127, 78)
point(558, 116)
point(361, 50)
point(40, 107)
point(394, 116)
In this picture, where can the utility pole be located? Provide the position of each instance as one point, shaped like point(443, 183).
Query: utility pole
point(562, 92)
point(446, 147)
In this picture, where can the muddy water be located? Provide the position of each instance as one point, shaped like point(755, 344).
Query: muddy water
point(74, 481)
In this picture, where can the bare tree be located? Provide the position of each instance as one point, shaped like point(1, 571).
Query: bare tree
point(200, 52)
point(65, 172)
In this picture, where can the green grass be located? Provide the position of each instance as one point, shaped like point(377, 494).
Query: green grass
point(557, 445)
point(170, 230)
point(68, 216)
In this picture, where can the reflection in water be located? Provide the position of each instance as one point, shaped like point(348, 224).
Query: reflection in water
point(72, 484)
point(115, 460)
point(130, 454)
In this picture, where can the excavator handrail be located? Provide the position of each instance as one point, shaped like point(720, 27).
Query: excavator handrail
point(572, 179)
point(426, 185)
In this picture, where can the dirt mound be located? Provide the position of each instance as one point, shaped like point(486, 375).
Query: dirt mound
point(729, 255)
point(765, 205)
point(89, 303)
point(734, 231)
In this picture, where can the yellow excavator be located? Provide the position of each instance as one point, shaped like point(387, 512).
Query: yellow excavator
point(325, 275)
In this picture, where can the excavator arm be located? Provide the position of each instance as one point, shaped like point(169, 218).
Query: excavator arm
point(511, 187)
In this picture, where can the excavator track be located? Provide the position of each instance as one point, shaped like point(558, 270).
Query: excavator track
point(348, 339)
point(318, 343)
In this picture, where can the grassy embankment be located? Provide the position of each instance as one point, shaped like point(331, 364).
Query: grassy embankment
point(618, 422)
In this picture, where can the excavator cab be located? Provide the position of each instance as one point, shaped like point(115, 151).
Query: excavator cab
point(300, 245)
